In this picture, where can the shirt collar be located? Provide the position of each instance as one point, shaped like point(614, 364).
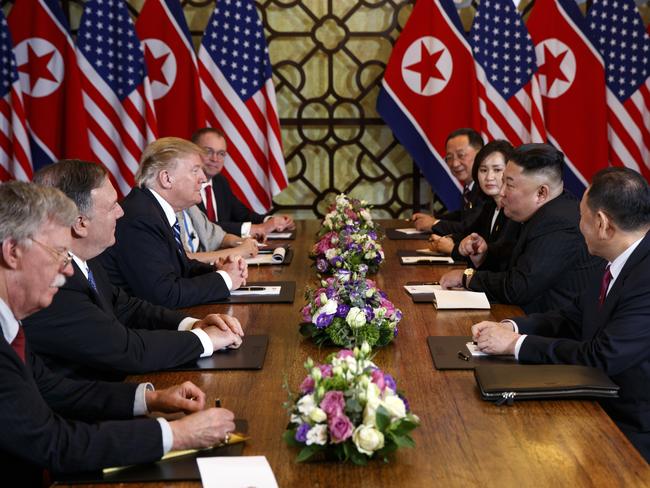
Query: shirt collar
point(167, 208)
point(616, 266)
point(81, 264)
point(8, 322)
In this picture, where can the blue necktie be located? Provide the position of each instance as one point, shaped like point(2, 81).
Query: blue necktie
point(91, 280)
point(177, 236)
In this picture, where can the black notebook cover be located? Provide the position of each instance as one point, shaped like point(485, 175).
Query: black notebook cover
point(182, 468)
point(286, 295)
point(444, 352)
point(421, 297)
point(396, 235)
point(250, 355)
point(403, 254)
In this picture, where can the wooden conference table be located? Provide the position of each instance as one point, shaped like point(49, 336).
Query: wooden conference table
point(462, 440)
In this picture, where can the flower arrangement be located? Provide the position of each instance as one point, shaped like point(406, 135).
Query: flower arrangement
point(347, 310)
point(349, 249)
point(348, 409)
point(347, 212)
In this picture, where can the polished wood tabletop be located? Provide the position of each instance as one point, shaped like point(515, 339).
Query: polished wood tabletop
point(462, 440)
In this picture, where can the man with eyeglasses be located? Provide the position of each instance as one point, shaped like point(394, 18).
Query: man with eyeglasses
point(219, 202)
point(55, 423)
point(461, 148)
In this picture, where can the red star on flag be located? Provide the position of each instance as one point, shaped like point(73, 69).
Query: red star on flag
point(426, 67)
point(154, 66)
point(36, 67)
point(551, 68)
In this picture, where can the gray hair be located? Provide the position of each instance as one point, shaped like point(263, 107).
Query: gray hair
point(75, 178)
point(26, 207)
point(162, 155)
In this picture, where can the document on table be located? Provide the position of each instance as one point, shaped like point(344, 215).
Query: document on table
point(236, 472)
point(256, 290)
point(278, 235)
point(421, 289)
point(473, 349)
point(459, 299)
point(276, 257)
point(426, 259)
point(410, 230)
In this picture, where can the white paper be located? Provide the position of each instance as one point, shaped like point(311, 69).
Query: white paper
point(420, 289)
point(236, 472)
point(426, 259)
point(267, 290)
point(278, 235)
point(410, 230)
point(473, 348)
point(276, 257)
point(425, 251)
point(460, 299)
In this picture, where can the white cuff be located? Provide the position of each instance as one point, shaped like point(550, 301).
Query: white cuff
point(246, 229)
point(203, 336)
point(226, 278)
point(140, 402)
point(167, 435)
point(267, 218)
point(515, 328)
point(187, 323)
point(520, 341)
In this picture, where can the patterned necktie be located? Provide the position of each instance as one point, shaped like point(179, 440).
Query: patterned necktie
point(91, 280)
point(466, 192)
point(209, 207)
point(604, 285)
point(18, 344)
point(177, 236)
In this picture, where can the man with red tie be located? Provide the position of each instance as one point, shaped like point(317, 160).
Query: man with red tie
point(219, 202)
point(609, 325)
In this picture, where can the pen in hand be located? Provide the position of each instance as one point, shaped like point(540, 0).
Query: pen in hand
point(217, 403)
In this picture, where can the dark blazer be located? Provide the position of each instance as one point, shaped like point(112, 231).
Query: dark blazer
point(146, 262)
point(501, 238)
point(49, 421)
point(454, 222)
point(614, 337)
point(107, 335)
point(231, 212)
point(549, 264)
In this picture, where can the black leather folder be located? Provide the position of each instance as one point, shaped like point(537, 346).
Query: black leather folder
point(250, 355)
point(507, 383)
point(403, 254)
point(444, 353)
point(395, 235)
point(286, 295)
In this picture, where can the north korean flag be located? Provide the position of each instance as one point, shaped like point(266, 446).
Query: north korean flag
point(50, 81)
point(172, 68)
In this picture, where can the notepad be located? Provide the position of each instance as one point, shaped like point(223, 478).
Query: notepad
point(410, 230)
point(459, 299)
point(278, 235)
point(256, 290)
point(426, 259)
point(276, 257)
point(421, 289)
point(236, 472)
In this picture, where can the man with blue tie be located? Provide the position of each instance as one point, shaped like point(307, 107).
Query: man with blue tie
point(608, 327)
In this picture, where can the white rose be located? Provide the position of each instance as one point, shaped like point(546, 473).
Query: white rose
point(318, 415)
point(369, 416)
point(318, 435)
point(296, 419)
point(367, 439)
point(331, 254)
point(329, 308)
point(365, 348)
point(395, 406)
point(316, 374)
point(323, 299)
point(372, 395)
point(306, 404)
point(365, 215)
point(380, 312)
point(356, 318)
point(369, 255)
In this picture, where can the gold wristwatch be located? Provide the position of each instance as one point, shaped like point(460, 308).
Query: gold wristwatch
point(467, 275)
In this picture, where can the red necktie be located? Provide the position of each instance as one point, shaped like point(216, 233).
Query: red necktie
point(604, 285)
point(209, 207)
point(18, 344)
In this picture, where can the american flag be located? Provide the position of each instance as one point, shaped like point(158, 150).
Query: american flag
point(509, 96)
point(116, 89)
point(238, 92)
point(15, 156)
point(617, 31)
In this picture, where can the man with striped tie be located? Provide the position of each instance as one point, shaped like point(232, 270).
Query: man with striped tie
point(148, 259)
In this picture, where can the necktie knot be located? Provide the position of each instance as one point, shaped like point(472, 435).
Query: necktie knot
point(604, 285)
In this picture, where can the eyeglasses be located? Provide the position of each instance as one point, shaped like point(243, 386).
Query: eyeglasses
point(449, 158)
point(67, 256)
point(211, 152)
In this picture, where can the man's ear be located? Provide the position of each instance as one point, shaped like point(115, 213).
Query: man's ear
point(605, 225)
point(164, 179)
point(80, 227)
point(11, 253)
point(543, 193)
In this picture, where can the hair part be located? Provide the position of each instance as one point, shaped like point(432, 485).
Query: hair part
point(622, 194)
point(207, 130)
point(540, 160)
point(76, 178)
point(26, 207)
point(161, 155)
point(497, 146)
point(474, 138)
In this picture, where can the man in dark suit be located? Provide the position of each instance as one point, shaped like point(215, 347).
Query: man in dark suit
point(220, 203)
point(148, 259)
point(49, 421)
point(461, 148)
point(549, 264)
point(608, 326)
point(94, 330)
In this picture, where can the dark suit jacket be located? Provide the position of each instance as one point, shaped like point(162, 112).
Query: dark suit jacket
point(231, 212)
point(501, 239)
point(107, 335)
point(614, 337)
point(456, 221)
point(49, 421)
point(549, 264)
point(146, 262)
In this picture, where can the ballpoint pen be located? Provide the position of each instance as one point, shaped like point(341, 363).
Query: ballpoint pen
point(463, 356)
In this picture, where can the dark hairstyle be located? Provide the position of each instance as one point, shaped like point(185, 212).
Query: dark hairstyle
point(474, 138)
point(75, 178)
point(540, 159)
point(207, 130)
point(500, 146)
point(623, 194)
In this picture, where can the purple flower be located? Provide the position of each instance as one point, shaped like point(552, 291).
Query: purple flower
point(307, 385)
point(340, 428)
point(335, 260)
point(344, 353)
point(306, 313)
point(406, 402)
point(321, 265)
point(342, 310)
point(368, 311)
point(323, 320)
point(333, 403)
point(301, 432)
point(326, 370)
point(390, 382)
point(378, 378)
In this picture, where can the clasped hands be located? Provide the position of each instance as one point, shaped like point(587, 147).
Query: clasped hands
point(423, 221)
point(495, 337)
point(224, 331)
point(236, 268)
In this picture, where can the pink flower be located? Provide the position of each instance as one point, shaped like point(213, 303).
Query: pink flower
point(340, 428)
point(344, 353)
point(306, 313)
point(326, 370)
point(378, 378)
point(307, 385)
point(388, 305)
point(333, 404)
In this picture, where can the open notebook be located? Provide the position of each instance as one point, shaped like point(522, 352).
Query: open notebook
point(451, 299)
